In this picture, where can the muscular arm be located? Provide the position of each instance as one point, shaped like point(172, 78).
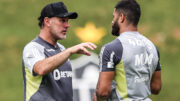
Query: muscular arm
point(47, 65)
point(104, 85)
point(156, 82)
point(110, 56)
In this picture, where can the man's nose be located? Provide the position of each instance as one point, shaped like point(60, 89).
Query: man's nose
point(67, 25)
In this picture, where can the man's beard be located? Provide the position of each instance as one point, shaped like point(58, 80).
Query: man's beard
point(115, 29)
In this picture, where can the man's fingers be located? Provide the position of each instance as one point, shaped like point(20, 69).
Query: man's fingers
point(85, 51)
point(81, 48)
point(89, 45)
point(92, 45)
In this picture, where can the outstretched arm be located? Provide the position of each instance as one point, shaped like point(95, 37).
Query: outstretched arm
point(47, 65)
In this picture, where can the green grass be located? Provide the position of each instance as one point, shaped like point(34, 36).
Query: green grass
point(18, 25)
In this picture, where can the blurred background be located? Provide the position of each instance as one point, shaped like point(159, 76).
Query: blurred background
point(160, 22)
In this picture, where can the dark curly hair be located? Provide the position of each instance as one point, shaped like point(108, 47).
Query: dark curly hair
point(131, 9)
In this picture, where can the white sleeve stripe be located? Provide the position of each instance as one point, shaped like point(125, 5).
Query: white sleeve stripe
point(101, 54)
point(110, 64)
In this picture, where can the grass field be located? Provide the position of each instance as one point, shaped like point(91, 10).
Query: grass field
point(18, 25)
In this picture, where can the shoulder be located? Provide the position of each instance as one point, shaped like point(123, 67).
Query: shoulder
point(32, 48)
point(113, 48)
point(110, 55)
point(32, 45)
point(114, 45)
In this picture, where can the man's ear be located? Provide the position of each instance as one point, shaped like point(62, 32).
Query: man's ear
point(46, 21)
point(122, 18)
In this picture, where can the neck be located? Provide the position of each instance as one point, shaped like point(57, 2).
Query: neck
point(127, 28)
point(46, 35)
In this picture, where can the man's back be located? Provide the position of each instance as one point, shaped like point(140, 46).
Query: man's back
point(131, 60)
point(135, 59)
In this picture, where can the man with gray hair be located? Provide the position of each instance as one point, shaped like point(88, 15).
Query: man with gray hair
point(47, 71)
